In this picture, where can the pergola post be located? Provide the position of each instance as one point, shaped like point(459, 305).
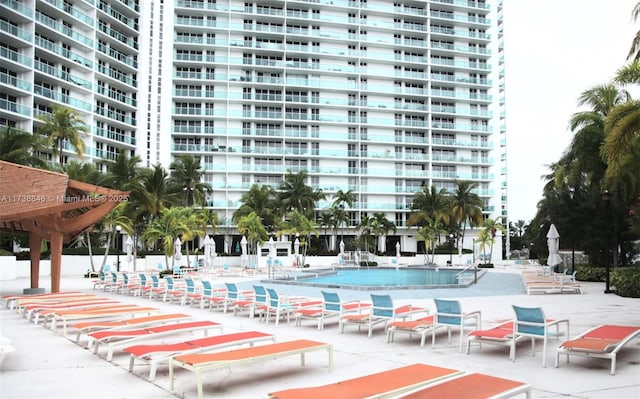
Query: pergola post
point(35, 251)
point(56, 260)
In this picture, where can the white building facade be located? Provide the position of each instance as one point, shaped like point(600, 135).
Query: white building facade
point(373, 96)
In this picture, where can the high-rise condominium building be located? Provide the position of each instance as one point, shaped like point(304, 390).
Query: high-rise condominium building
point(375, 96)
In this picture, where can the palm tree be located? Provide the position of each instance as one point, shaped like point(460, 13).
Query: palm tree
point(186, 176)
point(260, 200)
point(340, 219)
point(84, 172)
point(430, 232)
point(87, 173)
point(381, 226)
point(252, 228)
point(196, 227)
point(295, 194)
point(171, 224)
point(21, 147)
point(153, 194)
point(63, 125)
point(517, 229)
point(487, 234)
point(124, 172)
point(582, 163)
point(634, 51)
point(327, 222)
point(344, 198)
point(365, 228)
point(466, 207)
point(430, 204)
point(299, 225)
point(114, 218)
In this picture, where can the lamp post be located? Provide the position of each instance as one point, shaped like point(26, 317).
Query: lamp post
point(118, 229)
point(451, 250)
point(606, 198)
point(573, 239)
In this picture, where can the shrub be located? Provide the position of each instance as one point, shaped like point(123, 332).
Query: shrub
point(590, 273)
point(626, 281)
point(364, 263)
point(485, 266)
point(164, 273)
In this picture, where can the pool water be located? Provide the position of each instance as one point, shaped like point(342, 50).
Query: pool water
point(387, 278)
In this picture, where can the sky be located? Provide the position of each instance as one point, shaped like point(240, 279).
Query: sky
point(554, 50)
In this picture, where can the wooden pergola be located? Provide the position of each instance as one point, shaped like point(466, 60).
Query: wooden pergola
point(50, 206)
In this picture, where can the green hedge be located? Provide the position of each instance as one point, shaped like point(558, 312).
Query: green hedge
point(625, 281)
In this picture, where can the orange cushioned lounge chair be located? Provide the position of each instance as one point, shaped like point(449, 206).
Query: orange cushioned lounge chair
point(95, 313)
point(421, 327)
point(12, 300)
point(138, 322)
point(200, 362)
point(162, 353)
point(382, 311)
point(378, 385)
point(122, 338)
point(472, 386)
point(604, 342)
point(31, 311)
point(501, 334)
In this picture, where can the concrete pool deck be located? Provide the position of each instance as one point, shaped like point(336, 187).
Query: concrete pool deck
point(45, 365)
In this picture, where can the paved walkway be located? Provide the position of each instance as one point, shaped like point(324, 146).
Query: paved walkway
point(45, 365)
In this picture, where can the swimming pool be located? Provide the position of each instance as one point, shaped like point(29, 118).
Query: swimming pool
point(383, 278)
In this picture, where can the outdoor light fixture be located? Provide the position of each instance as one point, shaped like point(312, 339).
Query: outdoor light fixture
point(451, 250)
point(118, 229)
point(606, 198)
point(572, 192)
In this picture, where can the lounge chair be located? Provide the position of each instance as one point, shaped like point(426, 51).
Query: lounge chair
point(155, 355)
point(550, 287)
point(99, 282)
point(260, 299)
point(13, 301)
point(124, 311)
point(472, 386)
point(122, 338)
point(110, 281)
point(501, 334)
point(385, 384)
point(235, 298)
point(603, 342)
point(532, 323)
point(420, 327)
point(32, 311)
point(284, 306)
point(192, 293)
point(331, 306)
point(450, 315)
point(90, 326)
point(144, 285)
point(200, 362)
point(20, 304)
point(382, 311)
point(278, 306)
point(128, 286)
point(172, 290)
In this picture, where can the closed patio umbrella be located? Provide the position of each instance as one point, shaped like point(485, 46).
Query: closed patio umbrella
point(553, 243)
